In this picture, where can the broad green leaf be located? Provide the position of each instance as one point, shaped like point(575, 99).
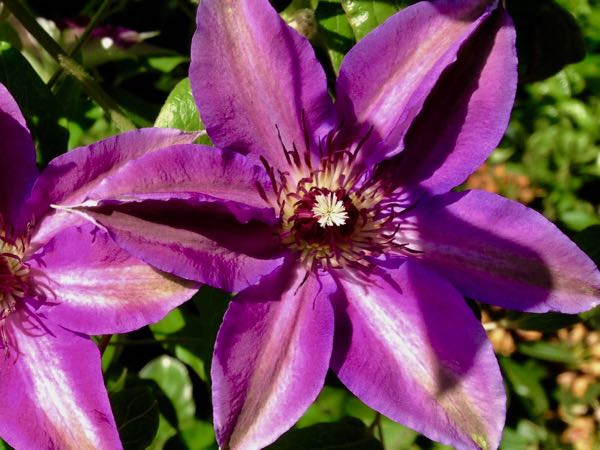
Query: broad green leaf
point(348, 434)
point(365, 15)
point(394, 434)
point(335, 32)
point(164, 434)
point(548, 351)
point(191, 359)
point(136, 415)
point(190, 331)
point(180, 111)
point(166, 64)
point(547, 322)
point(525, 381)
point(199, 435)
point(182, 339)
point(173, 378)
point(328, 407)
point(592, 317)
point(296, 5)
point(335, 403)
point(40, 107)
point(108, 356)
point(527, 436)
point(116, 379)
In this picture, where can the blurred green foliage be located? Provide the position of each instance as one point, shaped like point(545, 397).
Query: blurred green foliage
point(159, 377)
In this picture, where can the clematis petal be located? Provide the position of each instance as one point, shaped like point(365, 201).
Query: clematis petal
point(271, 357)
point(468, 110)
point(386, 77)
point(203, 243)
point(194, 173)
point(251, 74)
point(408, 346)
point(98, 288)
point(52, 393)
point(499, 251)
point(69, 177)
point(17, 166)
point(9, 106)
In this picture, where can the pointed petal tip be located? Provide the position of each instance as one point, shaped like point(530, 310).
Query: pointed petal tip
point(271, 357)
point(409, 347)
point(284, 86)
point(501, 252)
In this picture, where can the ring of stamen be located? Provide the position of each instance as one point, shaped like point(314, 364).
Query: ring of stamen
point(14, 274)
point(333, 213)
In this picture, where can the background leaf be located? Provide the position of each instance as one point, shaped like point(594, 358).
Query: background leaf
point(136, 414)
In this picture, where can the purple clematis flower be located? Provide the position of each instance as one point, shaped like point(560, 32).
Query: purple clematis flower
point(335, 223)
point(61, 279)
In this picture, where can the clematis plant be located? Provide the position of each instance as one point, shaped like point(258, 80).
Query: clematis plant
point(336, 225)
point(61, 279)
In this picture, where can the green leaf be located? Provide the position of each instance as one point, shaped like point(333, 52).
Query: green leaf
point(527, 436)
point(38, 104)
point(539, 322)
point(525, 380)
point(365, 15)
point(198, 435)
point(348, 434)
point(190, 331)
point(548, 351)
point(164, 434)
point(136, 415)
point(296, 5)
point(180, 111)
point(548, 38)
point(166, 64)
point(328, 407)
point(394, 434)
point(335, 32)
point(592, 317)
point(173, 378)
point(334, 403)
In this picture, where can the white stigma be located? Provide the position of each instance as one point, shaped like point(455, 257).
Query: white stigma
point(330, 210)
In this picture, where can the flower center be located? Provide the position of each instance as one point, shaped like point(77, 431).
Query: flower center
point(336, 214)
point(14, 274)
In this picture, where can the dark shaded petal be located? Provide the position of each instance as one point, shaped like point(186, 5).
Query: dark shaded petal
point(385, 79)
point(499, 251)
point(251, 73)
point(465, 116)
point(408, 346)
point(52, 393)
point(194, 173)
point(17, 162)
point(98, 288)
point(69, 177)
point(203, 242)
point(271, 357)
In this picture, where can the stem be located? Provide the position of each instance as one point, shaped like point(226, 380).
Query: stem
point(81, 40)
point(133, 342)
point(104, 341)
point(69, 65)
point(376, 424)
